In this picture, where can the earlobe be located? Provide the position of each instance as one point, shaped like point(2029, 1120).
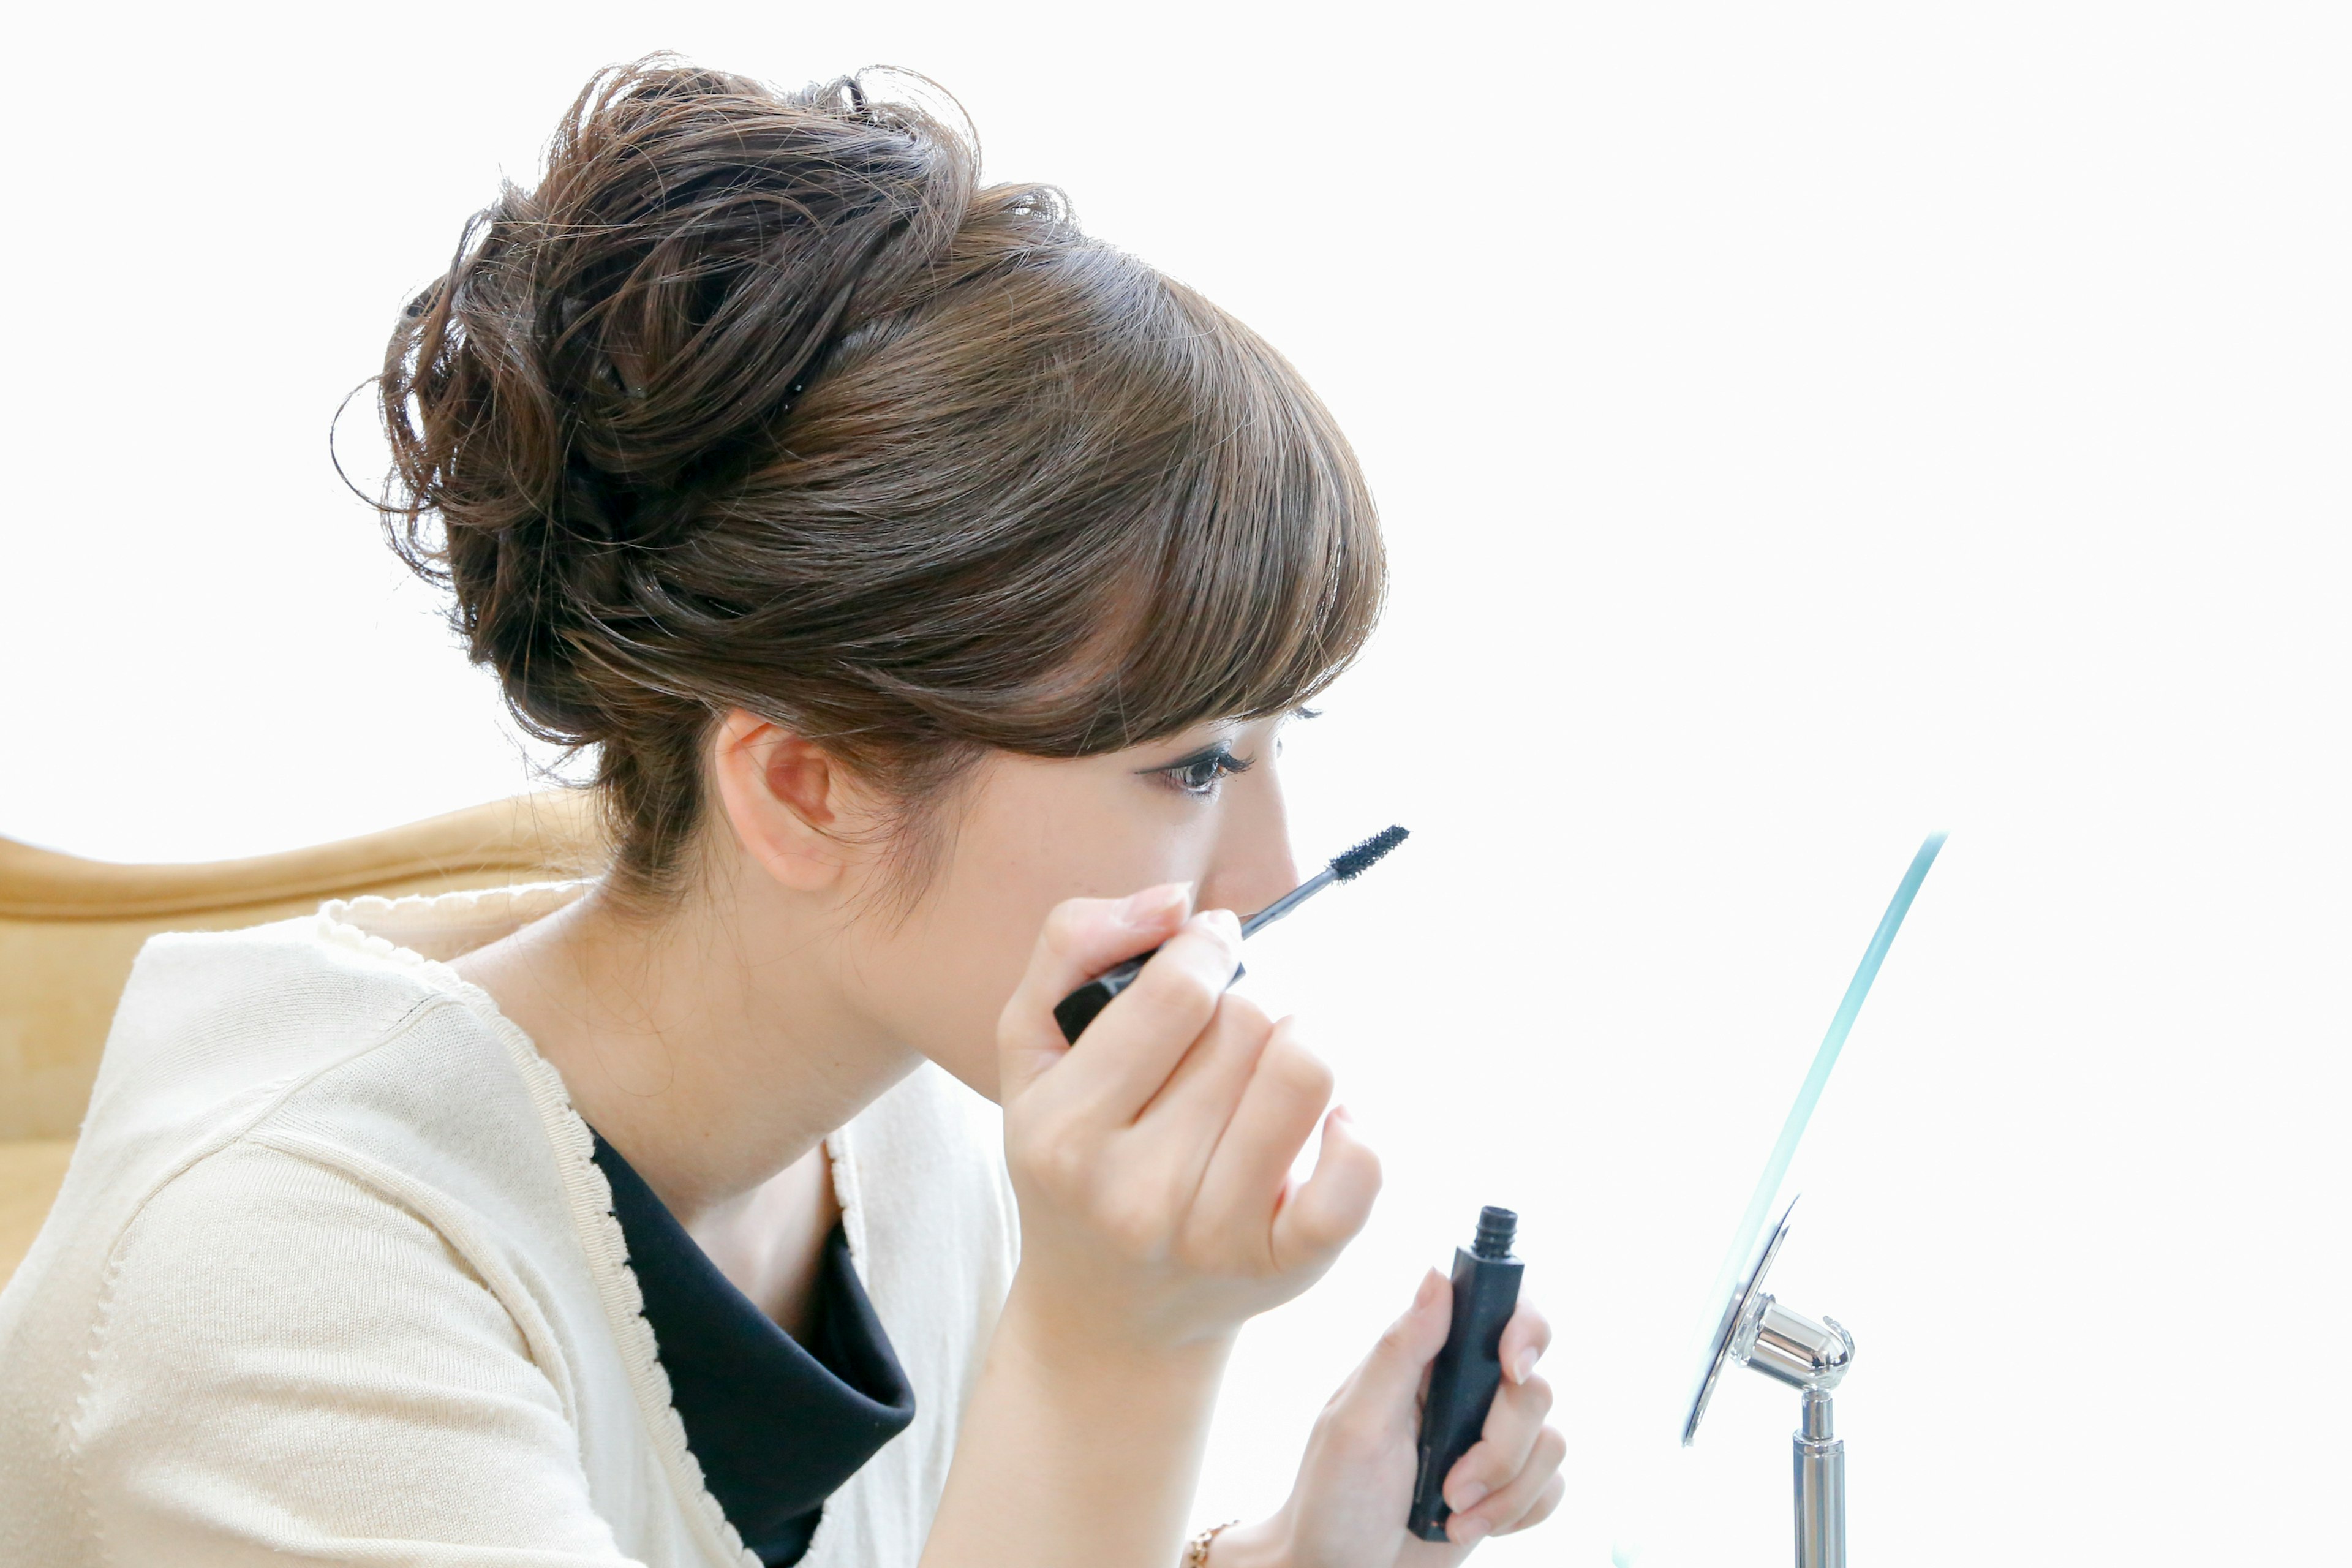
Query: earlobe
point(779, 792)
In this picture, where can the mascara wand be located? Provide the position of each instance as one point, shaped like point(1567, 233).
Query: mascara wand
point(1077, 1010)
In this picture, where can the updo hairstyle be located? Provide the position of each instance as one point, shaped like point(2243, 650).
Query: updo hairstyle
point(759, 399)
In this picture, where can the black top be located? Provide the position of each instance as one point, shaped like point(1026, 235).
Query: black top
point(776, 1426)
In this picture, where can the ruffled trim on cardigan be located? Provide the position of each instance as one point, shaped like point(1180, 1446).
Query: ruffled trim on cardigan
point(455, 924)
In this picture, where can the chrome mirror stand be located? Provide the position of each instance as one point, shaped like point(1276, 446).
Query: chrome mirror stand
point(1811, 1357)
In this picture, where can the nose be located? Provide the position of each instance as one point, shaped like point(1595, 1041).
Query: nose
point(1253, 865)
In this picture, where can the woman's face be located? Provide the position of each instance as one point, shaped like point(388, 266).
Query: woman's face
point(1204, 807)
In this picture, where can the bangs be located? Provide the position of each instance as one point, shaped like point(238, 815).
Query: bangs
point(1063, 507)
point(1269, 573)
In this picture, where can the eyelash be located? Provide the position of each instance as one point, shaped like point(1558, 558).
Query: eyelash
point(1222, 765)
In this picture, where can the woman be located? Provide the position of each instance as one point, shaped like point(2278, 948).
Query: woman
point(925, 576)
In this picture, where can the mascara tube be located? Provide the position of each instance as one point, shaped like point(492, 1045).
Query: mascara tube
point(1467, 1371)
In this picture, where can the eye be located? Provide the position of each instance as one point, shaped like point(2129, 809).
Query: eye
point(1199, 774)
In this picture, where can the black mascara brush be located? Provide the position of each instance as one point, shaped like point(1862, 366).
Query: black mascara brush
point(1077, 1010)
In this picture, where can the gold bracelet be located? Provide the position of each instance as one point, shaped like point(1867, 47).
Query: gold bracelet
point(1196, 1550)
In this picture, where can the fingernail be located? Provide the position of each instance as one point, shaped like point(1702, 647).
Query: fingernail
point(1525, 1366)
point(1473, 1528)
point(1471, 1491)
point(1153, 905)
point(1226, 923)
point(1339, 1114)
point(1431, 1283)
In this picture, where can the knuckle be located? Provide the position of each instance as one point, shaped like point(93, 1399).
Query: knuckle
point(1242, 1033)
point(1550, 1450)
point(1175, 991)
point(1196, 991)
point(1067, 923)
point(1056, 1161)
point(1298, 1069)
point(1243, 1016)
point(1135, 1228)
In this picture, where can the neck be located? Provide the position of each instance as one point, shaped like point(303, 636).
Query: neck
point(708, 1065)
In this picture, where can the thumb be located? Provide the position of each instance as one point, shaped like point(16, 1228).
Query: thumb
point(1390, 1376)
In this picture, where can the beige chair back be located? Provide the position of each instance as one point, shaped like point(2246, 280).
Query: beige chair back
point(70, 929)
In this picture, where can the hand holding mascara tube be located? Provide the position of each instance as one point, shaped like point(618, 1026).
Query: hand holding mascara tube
point(1469, 1373)
point(1439, 1433)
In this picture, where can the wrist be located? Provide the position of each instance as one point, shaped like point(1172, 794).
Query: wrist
point(1124, 1390)
point(1090, 1337)
point(1263, 1544)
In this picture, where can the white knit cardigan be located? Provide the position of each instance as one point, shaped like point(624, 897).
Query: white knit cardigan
point(332, 1279)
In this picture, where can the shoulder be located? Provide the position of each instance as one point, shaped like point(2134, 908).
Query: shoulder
point(263, 1308)
point(257, 1241)
point(213, 1021)
point(244, 1065)
point(313, 1109)
point(322, 1027)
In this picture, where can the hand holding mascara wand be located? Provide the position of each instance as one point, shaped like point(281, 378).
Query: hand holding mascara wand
point(1459, 1358)
point(1077, 1010)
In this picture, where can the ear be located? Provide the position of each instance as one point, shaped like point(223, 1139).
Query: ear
point(787, 799)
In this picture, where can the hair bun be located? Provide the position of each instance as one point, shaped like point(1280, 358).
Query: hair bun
point(758, 402)
point(608, 345)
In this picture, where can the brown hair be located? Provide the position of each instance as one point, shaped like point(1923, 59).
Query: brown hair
point(760, 400)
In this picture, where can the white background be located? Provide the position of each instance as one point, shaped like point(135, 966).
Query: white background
point(1795, 431)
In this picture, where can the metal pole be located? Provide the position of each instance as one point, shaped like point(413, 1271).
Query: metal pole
point(1821, 1485)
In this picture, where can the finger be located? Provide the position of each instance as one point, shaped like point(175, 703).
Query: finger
point(1081, 938)
point(1285, 1097)
point(1389, 1379)
point(1187, 1118)
point(1513, 1423)
point(1326, 1213)
point(1525, 1339)
point(1508, 1507)
point(1128, 1053)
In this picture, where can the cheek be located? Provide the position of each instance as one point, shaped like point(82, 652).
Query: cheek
point(1003, 887)
point(1036, 836)
point(947, 978)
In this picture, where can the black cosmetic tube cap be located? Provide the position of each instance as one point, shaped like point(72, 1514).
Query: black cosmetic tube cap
point(1468, 1370)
